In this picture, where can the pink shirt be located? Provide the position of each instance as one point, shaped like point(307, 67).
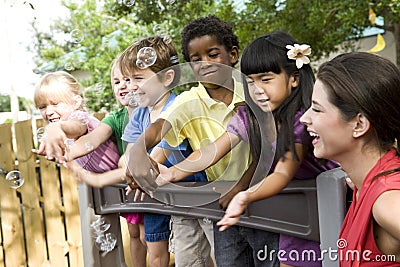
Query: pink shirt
point(103, 158)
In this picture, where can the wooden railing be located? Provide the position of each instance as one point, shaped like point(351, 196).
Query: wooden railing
point(40, 223)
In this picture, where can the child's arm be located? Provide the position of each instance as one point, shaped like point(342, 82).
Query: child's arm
point(89, 142)
point(199, 160)
point(97, 180)
point(53, 146)
point(269, 186)
point(240, 185)
point(137, 152)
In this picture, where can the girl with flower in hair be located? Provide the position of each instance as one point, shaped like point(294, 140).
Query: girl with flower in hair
point(279, 80)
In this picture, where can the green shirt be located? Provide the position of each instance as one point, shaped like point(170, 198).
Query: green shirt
point(117, 120)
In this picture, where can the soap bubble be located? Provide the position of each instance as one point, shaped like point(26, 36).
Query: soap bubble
point(41, 134)
point(14, 179)
point(106, 242)
point(76, 36)
point(129, 3)
point(88, 146)
point(133, 99)
point(146, 57)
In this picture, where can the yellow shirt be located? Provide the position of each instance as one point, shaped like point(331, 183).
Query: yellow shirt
point(201, 119)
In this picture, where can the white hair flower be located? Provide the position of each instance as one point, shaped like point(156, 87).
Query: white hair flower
point(299, 53)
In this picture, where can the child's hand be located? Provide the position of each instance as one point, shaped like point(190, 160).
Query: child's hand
point(82, 175)
point(142, 175)
point(41, 151)
point(77, 171)
point(235, 208)
point(349, 182)
point(54, 145)
point(232, 192)
point(165, 176)
point(139, 194)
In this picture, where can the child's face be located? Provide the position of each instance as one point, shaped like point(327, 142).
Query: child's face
point(269, 90)
point(148, 85)
point(53, 110)
point(120, 87)
point(205, 50)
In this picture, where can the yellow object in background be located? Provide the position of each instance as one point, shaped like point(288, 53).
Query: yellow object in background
point(380, 44)
point(371, 16)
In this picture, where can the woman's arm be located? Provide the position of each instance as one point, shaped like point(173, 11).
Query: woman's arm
point(269, 186)
point(386, 213)
point(95, 138)
point(199, 160)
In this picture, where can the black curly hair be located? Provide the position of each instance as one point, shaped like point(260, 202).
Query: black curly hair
point(210, 25)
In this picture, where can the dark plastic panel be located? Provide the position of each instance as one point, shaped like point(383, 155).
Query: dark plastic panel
point(294, 211)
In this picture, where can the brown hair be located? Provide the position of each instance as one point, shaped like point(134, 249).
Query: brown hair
point(366, 83)
point(166, 57)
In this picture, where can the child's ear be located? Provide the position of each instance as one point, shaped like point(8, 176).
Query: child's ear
point(294, 80)
point(77, 102)
point(169, 77)
point(234, 55)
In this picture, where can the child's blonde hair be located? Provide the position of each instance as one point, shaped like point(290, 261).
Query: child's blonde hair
point(58, 86)
point(115, 64)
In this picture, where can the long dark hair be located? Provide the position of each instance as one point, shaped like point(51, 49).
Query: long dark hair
point(269, 54)
point(365, 83)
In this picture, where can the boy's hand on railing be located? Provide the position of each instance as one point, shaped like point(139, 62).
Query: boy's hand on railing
point(142, 174)
point(165, 175)
point(139, 194)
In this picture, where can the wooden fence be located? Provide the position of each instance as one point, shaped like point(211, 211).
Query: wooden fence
point(39, 222)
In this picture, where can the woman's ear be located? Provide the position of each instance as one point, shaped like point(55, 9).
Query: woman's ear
point(77, 102)
point(169, 77)
point(361, 125)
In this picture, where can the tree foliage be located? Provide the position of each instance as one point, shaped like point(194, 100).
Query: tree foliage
point(105, 28)
point(5, 103)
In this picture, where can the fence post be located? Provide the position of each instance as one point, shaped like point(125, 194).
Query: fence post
point(93, 257)
point(10, 212)
point(30, 194)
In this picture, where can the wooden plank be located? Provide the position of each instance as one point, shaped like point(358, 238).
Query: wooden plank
point(72, 218)
point(55, 228)
point(10, 213)
point(1, 246)
point(126, 241)
point(33, 219)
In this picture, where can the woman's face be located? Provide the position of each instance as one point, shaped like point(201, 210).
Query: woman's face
point(333, 136)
